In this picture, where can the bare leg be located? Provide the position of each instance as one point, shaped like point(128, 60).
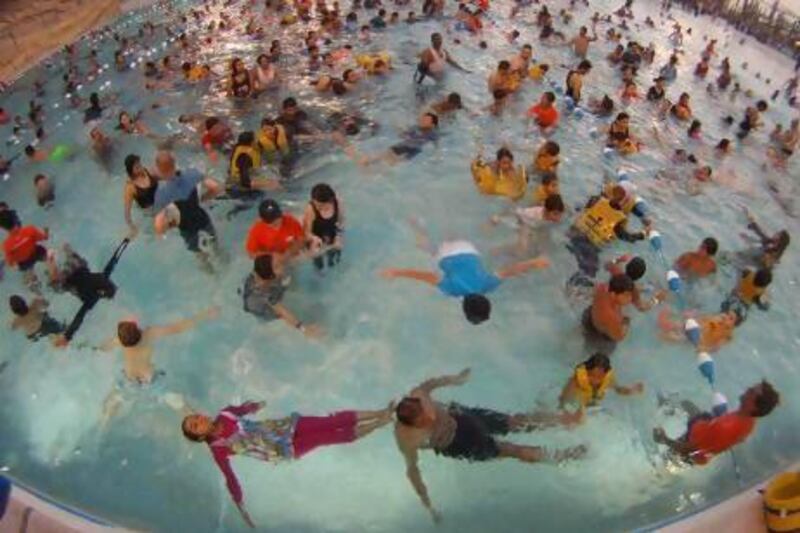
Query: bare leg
point(537, 454)
point(526, 422)
point(111, 406)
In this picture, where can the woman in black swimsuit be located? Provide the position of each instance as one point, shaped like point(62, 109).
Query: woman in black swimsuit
point(241, 85)
point(140, 188)
point(323, 223)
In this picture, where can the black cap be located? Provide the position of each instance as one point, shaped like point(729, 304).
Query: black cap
point(269, 211)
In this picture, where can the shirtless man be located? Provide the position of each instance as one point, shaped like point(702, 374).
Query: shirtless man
point(32, 318)
point(433, 60)
point(604, 323)
point(461, 432)
point(502, 79)
point(522, 61)
point(137, 351)
point(699, 263)
point(574, 80)
point(580, 43)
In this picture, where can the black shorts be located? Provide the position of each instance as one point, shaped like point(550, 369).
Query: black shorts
point(39, 254)
point(50, 326)
point(475, 428)
point(406, 150)
point(596, 340)
point(192, 236)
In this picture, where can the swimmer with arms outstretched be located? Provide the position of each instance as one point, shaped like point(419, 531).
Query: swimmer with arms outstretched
point(275, 440)
point(463, 274)
point(467, 433)
point(708, 435)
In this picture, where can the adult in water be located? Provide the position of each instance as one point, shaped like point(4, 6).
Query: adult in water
point(467, 433)
point(139, 189)
point(277, 439)
point(414, 140)
point(32, 319)
point(463, 274)
point(433, 60)
point(708, 435)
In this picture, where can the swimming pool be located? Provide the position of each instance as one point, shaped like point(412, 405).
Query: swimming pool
point(385, 337)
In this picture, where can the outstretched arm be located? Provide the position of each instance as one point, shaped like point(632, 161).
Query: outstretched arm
point(180, 326)
point(414, 476)
point(444, 381)
point(221, 458)
point(425, 276)
point(518, 269)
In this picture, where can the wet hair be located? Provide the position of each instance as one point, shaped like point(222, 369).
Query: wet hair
point(454, 99)
point(585, 65)
point(18, 305)
point(767, 400)
point(635, 268)
point(762, 278)
point(728, 120)
point(262, 266)
point(695, 126)
point(323, 193)
point(503, 65)
point(338, 87)
point(551, 148)
point(477, 308)
point(762, 105)
point(710, 245)
point(723, 144)
point(211, 122)
point(554, 204)
point(129, 333)
point(266, 121)
point(38, 178)
point(623, 116)
point(548, 178)
point(407, 410)
point(94, 99)
point(194, 437)
point(289, 102)
point(131, 160)
point(550, 96)
point(598, 360)
point(607, 104)
point(504, 152)
point(620, 284)
point(246, 138)
point(30, 150)
point(8, 219)
point(499, 94)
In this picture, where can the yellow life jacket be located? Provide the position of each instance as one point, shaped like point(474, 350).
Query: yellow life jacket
point(782, 503)
point(249, 151)
point(540, 195)
point(367, 62)
point(270, 147)
point(512, 186)
point(586, 393)
point(598, 222)
point(289, 18)
point(747, 290)
point(536, 72)
point(195, 73)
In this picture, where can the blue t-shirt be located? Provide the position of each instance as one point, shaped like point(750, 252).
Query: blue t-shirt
point(464, 274)
point(177, 188)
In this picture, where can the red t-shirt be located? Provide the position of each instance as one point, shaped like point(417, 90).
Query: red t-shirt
point(20, 245)
point(545, 116)
point(266, 239)
point(712, 437)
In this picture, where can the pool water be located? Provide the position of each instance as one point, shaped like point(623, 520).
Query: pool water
point(383, 337)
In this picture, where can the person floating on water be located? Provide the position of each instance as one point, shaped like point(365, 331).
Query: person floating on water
point(230, 433)
point(708, 435)
point(463, 274)
point(468, 433)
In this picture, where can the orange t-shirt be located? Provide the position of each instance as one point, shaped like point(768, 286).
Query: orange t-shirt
point(20, 244)
point(265, 239)
point(545, 116)
point(712, 437)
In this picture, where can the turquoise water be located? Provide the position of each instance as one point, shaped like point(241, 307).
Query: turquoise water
point(385, 337)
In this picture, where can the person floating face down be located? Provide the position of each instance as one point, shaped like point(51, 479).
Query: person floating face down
point(33, 319)
point(467, 433)
point(591, 380)
point(708, 435)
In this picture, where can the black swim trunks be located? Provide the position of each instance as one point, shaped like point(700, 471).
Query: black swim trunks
point(39, 254)
point(596, 341)
point(475, 428)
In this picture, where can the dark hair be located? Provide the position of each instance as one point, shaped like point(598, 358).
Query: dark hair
point(269, 211)
point(129, 333)
point(194, 437)
point(503, 65)
point(767, 400)
point(635, 268)
point(623, 116)
point(552, 148)
point(38, 178)
point(762, 105)
point(585, 65)
point(723, 143)
point(598, 360)
point(407, 410)
point(504, 152)
point(477, 308)
point(289, 102)
point(94, 99)
point(322, 192)
point(18, 305)
point(607, 104)
point(130, 161)
point(548, 178)
point(30, 150)
point(554, 203)
point(8, 219)
point(620, 284)
point(246, 138)
point(262, 266)
point(762, 278)
point(550, 95)
point(783, 241)
point(338, 87)
point(211, 122)
point(454, 99)
point(710, 245)
point(695, 125)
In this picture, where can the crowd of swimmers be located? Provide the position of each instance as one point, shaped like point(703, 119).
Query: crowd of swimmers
point(258, 163)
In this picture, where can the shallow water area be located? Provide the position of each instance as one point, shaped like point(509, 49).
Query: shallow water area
point(383, 337)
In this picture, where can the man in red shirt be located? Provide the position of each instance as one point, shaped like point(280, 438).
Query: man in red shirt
point(274, 233)
point(21, 247)
point(545, 111)
point(708, 435)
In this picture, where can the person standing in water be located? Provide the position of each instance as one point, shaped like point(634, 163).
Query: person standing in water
point(467, 433)
point(277, 439)
point(432, 61)
point(323, 224)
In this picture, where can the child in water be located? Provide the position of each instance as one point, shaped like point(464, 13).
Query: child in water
point(590, 381)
